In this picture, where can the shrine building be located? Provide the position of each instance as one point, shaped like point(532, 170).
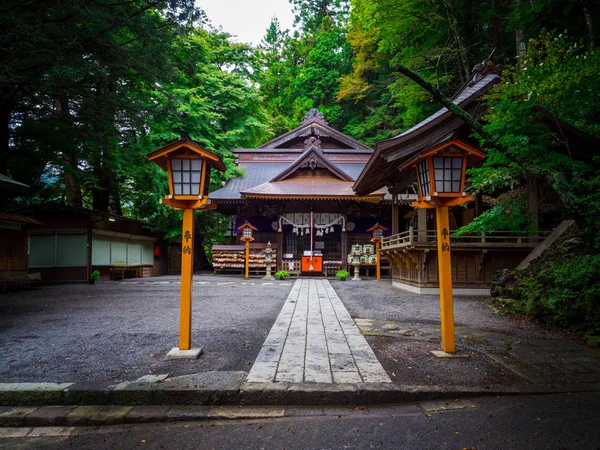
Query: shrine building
point(297, 191)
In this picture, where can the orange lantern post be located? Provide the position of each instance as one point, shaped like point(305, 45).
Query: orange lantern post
point(441, 177)
point(377, 236)
point(247, 232)
point(188, 165)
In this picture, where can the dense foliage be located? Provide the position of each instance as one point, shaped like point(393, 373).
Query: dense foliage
point(87, 89)
point(560, 288)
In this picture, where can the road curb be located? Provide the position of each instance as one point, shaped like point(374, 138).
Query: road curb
point(421, 397)
point(212, 389)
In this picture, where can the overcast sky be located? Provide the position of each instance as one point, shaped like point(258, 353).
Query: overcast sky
point(248, 19)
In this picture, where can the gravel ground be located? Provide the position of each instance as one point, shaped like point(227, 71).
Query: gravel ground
point(123, 330)
point(372, 299)
point(411, 362)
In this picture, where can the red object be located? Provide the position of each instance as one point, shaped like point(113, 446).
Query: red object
point(156, 250)
point(317, 262)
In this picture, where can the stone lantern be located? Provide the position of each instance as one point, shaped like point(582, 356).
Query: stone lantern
point(268, 262)
point(356, 255)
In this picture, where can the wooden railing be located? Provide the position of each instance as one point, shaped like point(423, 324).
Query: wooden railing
point(428, 238)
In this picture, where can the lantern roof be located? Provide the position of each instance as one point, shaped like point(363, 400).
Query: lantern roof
point(377, 226)
point(186, 146)
point(247, 225)
point(449, 148)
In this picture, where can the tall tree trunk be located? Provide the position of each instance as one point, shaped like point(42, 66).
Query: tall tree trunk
point(6, 107)
point(104, 129)
point(520, 45)
point(589, 23)
point(457, 32)
point(69, 154)
point(101, 194)
point(72, 184)
point(115, 200)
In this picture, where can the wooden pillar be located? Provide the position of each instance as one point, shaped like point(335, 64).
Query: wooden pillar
point(533, 202)
point(89, 251)
point(422, 224)
point(187, 265)
point(378, 256)
point(344, 245)
point(395, 219)
point(445, 278)
point(279, 250)
point(247, 265)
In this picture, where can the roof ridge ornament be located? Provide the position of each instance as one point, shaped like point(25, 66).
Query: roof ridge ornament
point(312, 142)
point(314, 115)
point(487, 66)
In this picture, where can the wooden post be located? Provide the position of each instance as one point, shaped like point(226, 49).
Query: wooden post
point(279, 262)
point(187, 273)
point(247, 257)
point(445, 278)
point(395, 221)
point(378, 256)
point(422, 224)
point(532, 203)
point(344, 246)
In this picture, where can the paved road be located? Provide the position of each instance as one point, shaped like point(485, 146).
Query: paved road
point(539, 422)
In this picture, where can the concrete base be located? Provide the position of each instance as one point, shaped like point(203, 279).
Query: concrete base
point(175, 353)
point(441, 354)
point(436, 291)
point(268, 278)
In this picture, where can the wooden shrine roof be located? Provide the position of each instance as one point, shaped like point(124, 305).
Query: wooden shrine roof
point(277, 168)
point(310, 185)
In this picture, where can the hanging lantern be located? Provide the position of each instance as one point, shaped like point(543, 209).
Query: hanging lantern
point(331, 229)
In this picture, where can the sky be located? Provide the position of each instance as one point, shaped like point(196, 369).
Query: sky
point(247, 19)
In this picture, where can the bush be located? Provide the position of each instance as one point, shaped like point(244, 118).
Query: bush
point(95, 275)
point(283, 274)
point(566, 294)
point(342, 274)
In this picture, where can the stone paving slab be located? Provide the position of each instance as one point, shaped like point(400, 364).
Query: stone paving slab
point(314, 340)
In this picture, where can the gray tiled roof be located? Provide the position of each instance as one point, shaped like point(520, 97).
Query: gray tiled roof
point(257, 173)
point(254, 174)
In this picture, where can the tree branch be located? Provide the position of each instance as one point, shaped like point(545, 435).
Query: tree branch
point(445, 101)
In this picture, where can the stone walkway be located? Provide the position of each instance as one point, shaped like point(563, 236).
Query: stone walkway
point(314, 340)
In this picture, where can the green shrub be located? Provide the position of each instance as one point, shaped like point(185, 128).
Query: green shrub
point(342, 274)
point(283, 274)
point(566, 294)
point(95, 275)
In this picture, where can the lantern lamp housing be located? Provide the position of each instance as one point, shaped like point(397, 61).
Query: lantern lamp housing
point(377, 232)
point(441, 170)
point(247, 231)
point(188, 166)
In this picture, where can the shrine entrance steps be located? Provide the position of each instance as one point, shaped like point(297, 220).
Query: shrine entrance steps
point(314, 340)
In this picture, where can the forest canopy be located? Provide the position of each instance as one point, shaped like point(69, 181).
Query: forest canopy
point(87, 89)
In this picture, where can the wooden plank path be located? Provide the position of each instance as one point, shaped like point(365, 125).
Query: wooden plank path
point(314, 340)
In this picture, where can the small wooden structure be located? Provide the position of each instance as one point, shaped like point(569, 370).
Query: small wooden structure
point(68, 243)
